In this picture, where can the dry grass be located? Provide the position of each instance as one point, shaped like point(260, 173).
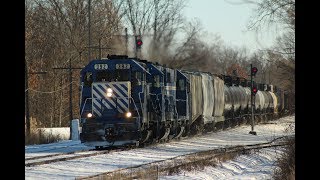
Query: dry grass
point(286, 162)
point(194, 163)
point(207, 161)
point(39, 137)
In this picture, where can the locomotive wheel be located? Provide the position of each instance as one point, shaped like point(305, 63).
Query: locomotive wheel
point(145, 135)
point(180, 132)
point(164, 134)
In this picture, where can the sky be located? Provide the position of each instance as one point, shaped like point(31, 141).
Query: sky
point(229, 19)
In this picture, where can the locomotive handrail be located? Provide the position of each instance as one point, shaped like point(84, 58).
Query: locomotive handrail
point(156, 95)
point(85, 102)
point(157, 98)
point(140, 100)
point(180, 100)
point(152, 103)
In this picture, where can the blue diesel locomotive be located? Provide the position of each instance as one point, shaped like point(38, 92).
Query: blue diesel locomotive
point(127, 101)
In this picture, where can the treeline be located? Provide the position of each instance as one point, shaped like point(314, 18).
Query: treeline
point(56, 32)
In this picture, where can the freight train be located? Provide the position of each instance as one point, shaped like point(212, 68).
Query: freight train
point(128, 101)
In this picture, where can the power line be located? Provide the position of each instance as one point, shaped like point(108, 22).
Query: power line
point(70, 68)
point(50, 92)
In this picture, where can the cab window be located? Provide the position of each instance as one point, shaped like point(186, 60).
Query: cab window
point(136, 78)
point(181, 85)
point(88, 79)
point(103, 76)
point(122, 75)
point(156, 81)
point(168, 78)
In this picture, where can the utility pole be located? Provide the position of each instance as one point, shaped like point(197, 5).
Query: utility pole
point(89, 29)
point(27, 96)
point(135, 47)
point(70, 90)
point(126, 36)
point(27, 99)
point(100, 48)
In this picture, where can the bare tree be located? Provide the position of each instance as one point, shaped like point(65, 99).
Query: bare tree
point(281, 58)
point(56, 33)
point(270, 12)
point(155, 20)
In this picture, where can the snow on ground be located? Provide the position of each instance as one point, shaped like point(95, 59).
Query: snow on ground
point(254, 166)
point(64, 146)
point(62, 132)
point(115, 160)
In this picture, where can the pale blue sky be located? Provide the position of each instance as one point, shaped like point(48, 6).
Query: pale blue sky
point(230, 21)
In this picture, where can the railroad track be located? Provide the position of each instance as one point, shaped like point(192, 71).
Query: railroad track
point(56, 157)
point(47, 159)
point(53, 155)
point(51, 158)
point(50, 147)
point(168, 164)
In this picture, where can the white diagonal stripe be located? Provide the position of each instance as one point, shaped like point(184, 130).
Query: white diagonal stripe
point(120, 110)
point(97, 103)
point(106, 104)
point(122, 89)
point(97, 112)
point(122, 97)
point(112, 102)
point(116, 90)
point(102, 92)
point(122, 105)
point(96, 94)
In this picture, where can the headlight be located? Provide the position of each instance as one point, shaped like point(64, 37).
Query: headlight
point(109, 92)
point(89, 115)
point(128, 114)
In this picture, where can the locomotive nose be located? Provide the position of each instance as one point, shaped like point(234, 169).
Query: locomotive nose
point(110, 98)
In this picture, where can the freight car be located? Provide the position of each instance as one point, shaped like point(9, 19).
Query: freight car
point(127, 101)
